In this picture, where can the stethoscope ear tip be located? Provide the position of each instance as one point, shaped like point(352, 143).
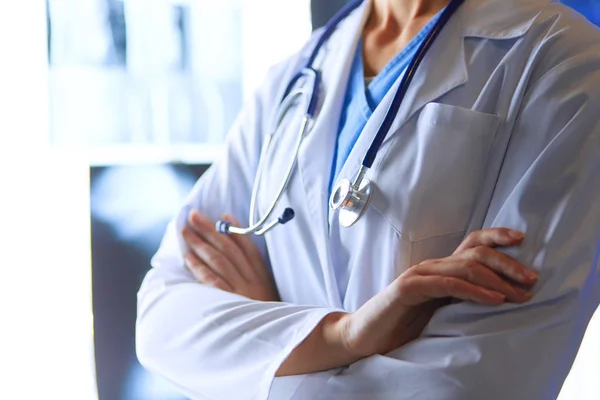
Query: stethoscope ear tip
point(287, 215)
point(223, 227)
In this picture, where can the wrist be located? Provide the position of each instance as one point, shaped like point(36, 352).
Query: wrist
point(322, 350)
point(335, 329)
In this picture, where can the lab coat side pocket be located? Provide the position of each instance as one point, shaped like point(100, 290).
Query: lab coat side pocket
point(431, 174)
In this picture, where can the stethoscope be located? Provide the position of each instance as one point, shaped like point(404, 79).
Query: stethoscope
point(350, 197)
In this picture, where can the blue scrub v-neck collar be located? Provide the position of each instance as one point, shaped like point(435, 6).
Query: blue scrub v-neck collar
point(394, 69)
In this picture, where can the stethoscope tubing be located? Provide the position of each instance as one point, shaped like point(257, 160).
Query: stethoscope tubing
point(289, 97)
point(411, 70)
point(258, 227)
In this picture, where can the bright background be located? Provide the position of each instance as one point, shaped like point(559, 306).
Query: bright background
point(87, 102)
point(88, 105)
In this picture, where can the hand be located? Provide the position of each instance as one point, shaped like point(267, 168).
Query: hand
point(228, 262)
point(475, 272)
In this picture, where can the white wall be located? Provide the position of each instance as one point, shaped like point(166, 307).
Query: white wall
point(23, 73)
point(46, 333)
point(46, 338)
point(263, 46)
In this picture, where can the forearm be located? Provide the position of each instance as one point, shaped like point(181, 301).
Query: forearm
point(213, 333)
point(322, 349)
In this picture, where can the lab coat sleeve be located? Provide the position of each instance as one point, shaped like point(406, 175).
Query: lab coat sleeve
point(549, 188)
point(209, 343)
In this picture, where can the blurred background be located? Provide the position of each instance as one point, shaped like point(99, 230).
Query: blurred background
point(116, 108)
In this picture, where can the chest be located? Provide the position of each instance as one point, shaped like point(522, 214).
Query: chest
point(434, 176)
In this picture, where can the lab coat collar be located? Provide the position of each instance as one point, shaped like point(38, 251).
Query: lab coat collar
point(486, 19)
point(480, 17)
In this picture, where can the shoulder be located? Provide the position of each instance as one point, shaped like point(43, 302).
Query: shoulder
point(564, 41)
point(559, 17)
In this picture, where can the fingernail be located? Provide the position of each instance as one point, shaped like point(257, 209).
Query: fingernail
point(525, 297)
point(499, 296)
point(531, 275)
point(523, 294)
point(197, 217)
point(516, 234)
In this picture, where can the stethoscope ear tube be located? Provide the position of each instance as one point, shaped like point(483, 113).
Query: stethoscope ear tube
point(227, 228)
point(287, 215)
point(411, 70)
point(262, 226)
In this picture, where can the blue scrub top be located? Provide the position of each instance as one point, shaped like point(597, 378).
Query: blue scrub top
point(361, 101)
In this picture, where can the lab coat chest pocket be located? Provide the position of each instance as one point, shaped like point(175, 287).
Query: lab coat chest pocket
point(433, 170)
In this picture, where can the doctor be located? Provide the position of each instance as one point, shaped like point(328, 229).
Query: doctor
point(458, 125)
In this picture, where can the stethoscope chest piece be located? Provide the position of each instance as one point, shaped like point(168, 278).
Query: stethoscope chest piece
point(351, 201)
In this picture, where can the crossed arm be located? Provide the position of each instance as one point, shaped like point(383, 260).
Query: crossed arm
point(476, 272)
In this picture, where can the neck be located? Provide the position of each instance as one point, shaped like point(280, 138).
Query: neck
point(400, 13)
point(390, 27)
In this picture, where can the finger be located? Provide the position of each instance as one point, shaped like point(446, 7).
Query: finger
point(437, 287)
point(223, 243)
point(477, 274)
point(501, 264)
point(249, 248)
point(491, 237)
point(205, 274)
point(212, 257)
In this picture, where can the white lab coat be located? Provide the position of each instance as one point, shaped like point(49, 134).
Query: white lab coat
point(500, 128)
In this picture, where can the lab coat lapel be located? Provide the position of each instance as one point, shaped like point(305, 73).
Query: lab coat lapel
point(442, 70)
point(316, 155)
